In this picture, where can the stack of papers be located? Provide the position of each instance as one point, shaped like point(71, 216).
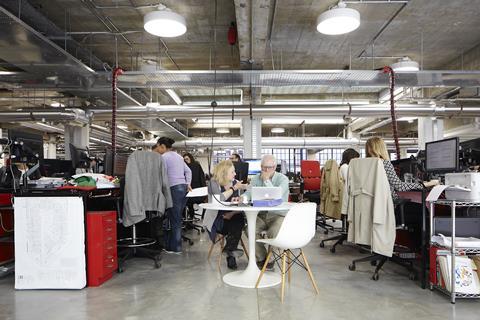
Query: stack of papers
point(460, 242)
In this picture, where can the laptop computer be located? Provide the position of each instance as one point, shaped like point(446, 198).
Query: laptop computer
point(266, 196)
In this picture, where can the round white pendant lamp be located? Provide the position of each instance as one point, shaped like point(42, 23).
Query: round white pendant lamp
point(338, 20)
point(164, 23)
point(405, 64)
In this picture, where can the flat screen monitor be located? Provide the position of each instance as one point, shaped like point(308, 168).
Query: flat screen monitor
point(27, 147)
point(56, 168)
point(254, 166)
point(80, 158)
point(241, 171)
point(442, 155)
point(119, 167)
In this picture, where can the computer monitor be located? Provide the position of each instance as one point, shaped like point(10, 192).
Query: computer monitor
point(470, 152)
point(26, 147)
point(254, 166)
point(79, 157)
point(56, 168)
point(241, 170)
point(119, 167)
point(442, 155)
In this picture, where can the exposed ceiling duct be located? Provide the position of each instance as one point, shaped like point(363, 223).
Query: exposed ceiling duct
point(71, 115)
point(287, 142)
point(299, 111)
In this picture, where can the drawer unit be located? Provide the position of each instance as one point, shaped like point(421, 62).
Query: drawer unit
point(102, 260)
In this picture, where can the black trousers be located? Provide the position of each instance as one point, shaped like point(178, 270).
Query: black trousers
point(232, 230)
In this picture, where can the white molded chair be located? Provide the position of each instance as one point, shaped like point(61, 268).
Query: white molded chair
point(297, 230)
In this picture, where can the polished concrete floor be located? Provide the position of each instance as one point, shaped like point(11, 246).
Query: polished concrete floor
point(189, 287)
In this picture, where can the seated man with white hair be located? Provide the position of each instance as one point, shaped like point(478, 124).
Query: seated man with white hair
point(266, 221)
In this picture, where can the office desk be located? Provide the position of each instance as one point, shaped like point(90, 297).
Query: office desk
point(419, 196)
point(248, 277)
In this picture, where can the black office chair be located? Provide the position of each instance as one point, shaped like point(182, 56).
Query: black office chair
point(340, 238)
point(141, 247)
point(135, 246)
point(379, 260)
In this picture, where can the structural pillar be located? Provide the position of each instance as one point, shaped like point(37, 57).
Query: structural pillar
point(252, 138)
point(429, 130)
point(78, 136)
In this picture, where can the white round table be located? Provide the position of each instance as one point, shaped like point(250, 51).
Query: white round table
point(248, 277)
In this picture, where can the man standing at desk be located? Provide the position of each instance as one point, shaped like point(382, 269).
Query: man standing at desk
point(266, 221)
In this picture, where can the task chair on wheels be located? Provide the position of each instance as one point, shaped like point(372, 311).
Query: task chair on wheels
point(311, 175)
point(371, 215)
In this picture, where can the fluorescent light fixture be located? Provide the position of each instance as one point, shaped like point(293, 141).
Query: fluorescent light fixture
point(96, 126)
point(123, 127)
point(338, 20)
point(222, 130)
point(164, 23)
point(7, 73)
point(299, 121)
point(174, 96)
point(217, 120)
point(384, 95)
point(316, 102)
point(405, 64)
point(408, 119)
point(153, 105)
point(209, 102)
point(49, 127)
point(56, 104)
point(277, 130)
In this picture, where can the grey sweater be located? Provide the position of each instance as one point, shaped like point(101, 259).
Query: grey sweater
point(146, 187)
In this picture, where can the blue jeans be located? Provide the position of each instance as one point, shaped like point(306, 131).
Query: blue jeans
point(173, 234)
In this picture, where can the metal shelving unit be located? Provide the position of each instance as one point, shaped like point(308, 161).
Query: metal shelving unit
point(453, 204)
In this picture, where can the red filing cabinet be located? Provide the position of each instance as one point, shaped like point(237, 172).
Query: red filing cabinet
point(6, 228)
point(101, 246)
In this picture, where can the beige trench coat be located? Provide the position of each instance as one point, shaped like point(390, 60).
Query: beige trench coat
point(371, 215)
point(331, 192)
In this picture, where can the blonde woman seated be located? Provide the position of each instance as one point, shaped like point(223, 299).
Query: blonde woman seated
point(224, 187)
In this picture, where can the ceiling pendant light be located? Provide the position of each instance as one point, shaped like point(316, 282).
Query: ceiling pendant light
point(405, 64)
point(164, 23)
point(338, 20)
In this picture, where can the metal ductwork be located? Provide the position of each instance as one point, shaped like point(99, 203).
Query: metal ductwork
point(295, 111)
point(275, 142)
point(70, 115)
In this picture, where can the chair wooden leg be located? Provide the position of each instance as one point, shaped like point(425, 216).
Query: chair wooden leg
point(264, 267)
point(244, 248)
point(222, 245)
point(284, 260)
point(289, 266)
point(210, 251)
point(310, 274)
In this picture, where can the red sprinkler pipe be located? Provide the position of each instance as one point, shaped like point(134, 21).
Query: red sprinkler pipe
point(389, 70)
point(115, 73)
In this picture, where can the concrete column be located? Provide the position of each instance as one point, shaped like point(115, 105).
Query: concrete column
point(429, 130)
point(78, 136)
point(311, 154)
point(252, 138)
point(51, 148)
